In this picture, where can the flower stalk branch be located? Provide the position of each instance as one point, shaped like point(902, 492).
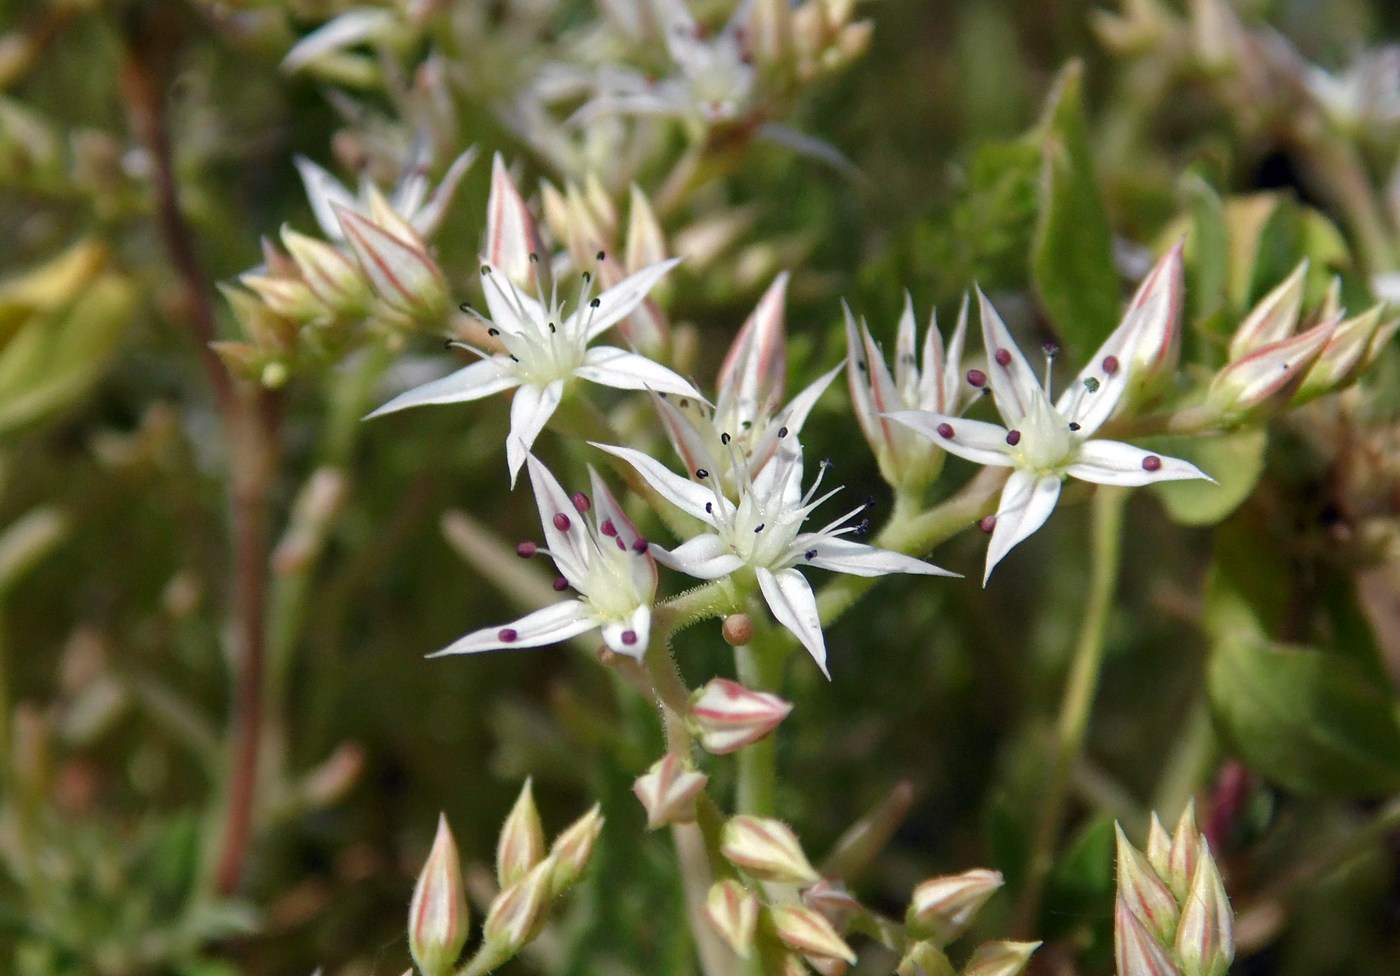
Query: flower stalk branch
point(1077, 703)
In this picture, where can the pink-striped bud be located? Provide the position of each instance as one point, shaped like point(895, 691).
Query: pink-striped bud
point(399, 268)
point(1145, 894)
point(521, 843)
point(1159, 850)
point(668, 791)
point(1135, 949)
point(1274, 318)
point(766, 849)
point(438, 915)
point(726, 716)
point(573, 849)
point(1265, 379)
point(513, 243)
point(1205, 940)
point(517, 914)
point(807, 931)
point(732, 911)
point(1186, 848)
point(330, 274)
point(1000, 959)
point(1152, 343)
point(1345, 356)
point(830, 897)
point(943, 908)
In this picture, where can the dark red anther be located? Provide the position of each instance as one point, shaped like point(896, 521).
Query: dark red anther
point(1013, 437)
point(977, 378)
point(507, 635)
point(945, 431)
point(581, 502)
point(561, 522)
point(987, 523)
point(560, 584)
point(639, 546)
point(607, 528)
point(1003, 357)
point(526, 550)
point(629, 637)
point(1110, 364)
point(1152, 463)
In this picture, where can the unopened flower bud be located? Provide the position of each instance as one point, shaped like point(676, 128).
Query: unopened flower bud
point(287, 297)
point(1152, 324)
point(402, 273)
point(512, 237)
point(726, 716)
point(1181, 866)
point(518, 913)
point(437, 916)
point(268, 331)
point(1136, 950)
point(1144, 892)
point(732, 911)
point(830, 897)
point(1000, 959)
point(766, 849)
point(1205, 941)
point(573, 849)
point(646, 242)
point(1344, 357)
point(943, 908)
point(329, 273)
point(1274, 318)
point(1159, 850)
point(668, 791)
point(925, 959)
point(1264, 379)
point(521, 843)
point(808, 931)
point(737, 629)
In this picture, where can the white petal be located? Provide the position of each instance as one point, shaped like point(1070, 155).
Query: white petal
point(862, 397)
point(323, 190)
point(906, 374)
point(512, 310)
point(685, 436)
point(1014, 384)
point(680, 492)
point(792, 417)
point(607, 509)
point(755, 366)
point(344, 31)
point(974, 440)
point(548, 626)
point(950, 384)
point(568, 545)
point(1026, 502)
point(1116, 463)
point(529, 412)
point(619, 300)
point(705, 557)
point(856, 558)
point(624, 370)
point(790, 597)
point(615, 633)
point(511, 233)
point(468, 383)
point(429, 217)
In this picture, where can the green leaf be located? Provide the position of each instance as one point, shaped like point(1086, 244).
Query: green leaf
point(1235, 461)
point(1207, 245)
point(1311, 722)
point(1072, 260)
point(1081, 884)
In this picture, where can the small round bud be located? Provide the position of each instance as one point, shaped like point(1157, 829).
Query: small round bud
point(737, 629)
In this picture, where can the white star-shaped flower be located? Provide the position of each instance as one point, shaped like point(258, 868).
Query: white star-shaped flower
point(1045, 442)
point(545, 348)
point(763, 531)
point(598, 553)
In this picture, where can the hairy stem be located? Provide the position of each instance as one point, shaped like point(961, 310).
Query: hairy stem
point(1078, 699)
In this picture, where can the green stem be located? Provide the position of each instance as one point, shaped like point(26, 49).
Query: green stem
point(760, 668)
point(1078, 698)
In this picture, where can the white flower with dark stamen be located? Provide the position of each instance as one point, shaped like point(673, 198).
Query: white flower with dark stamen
point(763, 531)
point(598, 553)
point(545, 349)
point(1045, 442)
